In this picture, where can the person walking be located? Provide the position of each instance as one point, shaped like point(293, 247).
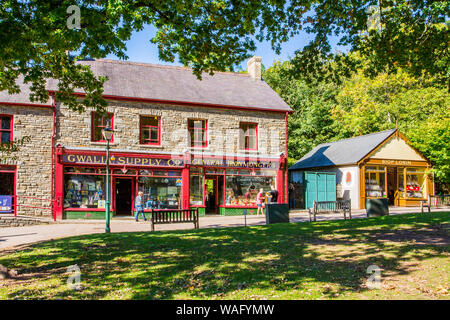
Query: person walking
point(139, 206)
point(259, 201)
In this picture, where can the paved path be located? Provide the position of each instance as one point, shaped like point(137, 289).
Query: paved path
point(18, 236)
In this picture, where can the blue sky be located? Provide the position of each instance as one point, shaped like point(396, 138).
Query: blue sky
point(139, 49)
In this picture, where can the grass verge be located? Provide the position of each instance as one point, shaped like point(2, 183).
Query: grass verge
point(321, 260)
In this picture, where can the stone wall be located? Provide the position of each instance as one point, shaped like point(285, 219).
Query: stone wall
point(7, 221)
point(33, 161)
point(74, 130)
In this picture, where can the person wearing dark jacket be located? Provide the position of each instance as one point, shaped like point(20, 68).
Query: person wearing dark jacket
point(273, 194)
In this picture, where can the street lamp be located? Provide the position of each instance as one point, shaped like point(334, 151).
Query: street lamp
point(107, 134)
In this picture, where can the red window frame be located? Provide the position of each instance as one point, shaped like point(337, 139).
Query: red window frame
point(11, 127)
point(198, 144)
point(103, 125)
point(247, 135)
point(141, 127)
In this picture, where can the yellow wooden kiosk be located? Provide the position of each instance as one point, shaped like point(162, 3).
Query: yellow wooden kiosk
point(377, 165)
point(397, 171)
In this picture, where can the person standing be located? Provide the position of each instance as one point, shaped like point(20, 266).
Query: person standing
point(273, 194)
point(291, 194)
point(259, 201)
point(139, 206)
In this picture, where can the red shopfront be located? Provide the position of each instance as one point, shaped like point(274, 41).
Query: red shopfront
point(214, 184)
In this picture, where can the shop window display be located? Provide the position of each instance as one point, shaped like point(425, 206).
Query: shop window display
point(242, 190)
point(84, 191)
point(160, 192)
point(375, 182)
point(415, 183)
point(196, 188)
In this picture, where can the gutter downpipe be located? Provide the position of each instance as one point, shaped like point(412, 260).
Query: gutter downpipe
point(53, 158)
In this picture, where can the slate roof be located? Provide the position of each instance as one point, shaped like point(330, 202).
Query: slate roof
point(177, 84)
point(342, 152)
point(21, 98)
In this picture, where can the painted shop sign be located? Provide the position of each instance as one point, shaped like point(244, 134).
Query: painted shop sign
point(230, 163)
point(397, 162)
point(156, 162)
point(122, 160)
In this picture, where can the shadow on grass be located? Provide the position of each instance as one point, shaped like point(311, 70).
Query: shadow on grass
point(320, 259)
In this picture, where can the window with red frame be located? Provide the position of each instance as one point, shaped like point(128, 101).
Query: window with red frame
point(6, 129)
point(99, 123)
point(198, 133)
point(150, 130)
point(248, 137)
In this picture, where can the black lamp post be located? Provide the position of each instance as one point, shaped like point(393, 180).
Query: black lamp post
point(107, 134)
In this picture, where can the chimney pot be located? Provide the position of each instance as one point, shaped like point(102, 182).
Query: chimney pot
point(254, 67)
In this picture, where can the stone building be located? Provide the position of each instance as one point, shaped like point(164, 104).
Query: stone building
point(185, 143)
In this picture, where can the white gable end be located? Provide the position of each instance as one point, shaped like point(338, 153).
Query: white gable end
point(397, 149)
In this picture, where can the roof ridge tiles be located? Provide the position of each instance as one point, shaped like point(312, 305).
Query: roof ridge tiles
point(153, 65)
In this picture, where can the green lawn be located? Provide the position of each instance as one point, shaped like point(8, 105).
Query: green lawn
point(321, 260)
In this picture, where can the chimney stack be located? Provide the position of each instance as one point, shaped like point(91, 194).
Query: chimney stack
point(254, 67)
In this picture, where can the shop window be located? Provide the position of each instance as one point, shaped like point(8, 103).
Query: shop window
point(264, 173)
point(6, 128)
point(248, 136)
point(196, 189)
point(375, 182)
point(160, 192)
point(150, 131)
point(99, 123)
point(242, 190)
point(145, 172)
point(84, 191)
point(80, 170)
point(197, 133)
point(415, 183)
point(125, 171)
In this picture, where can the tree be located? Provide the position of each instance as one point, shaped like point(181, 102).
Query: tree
point(209, 35)
point(420, 109)
point(8, 150)
point(311, 123)
point(388, 34)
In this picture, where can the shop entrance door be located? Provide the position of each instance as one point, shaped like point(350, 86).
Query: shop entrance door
point(211, 195)
point(391, 184)
point(124, 196)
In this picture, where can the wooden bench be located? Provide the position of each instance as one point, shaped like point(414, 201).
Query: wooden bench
point(343, 206)
point(166, 216)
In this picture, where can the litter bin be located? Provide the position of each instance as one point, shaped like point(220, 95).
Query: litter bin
point(377, 207)
point(277, 213)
